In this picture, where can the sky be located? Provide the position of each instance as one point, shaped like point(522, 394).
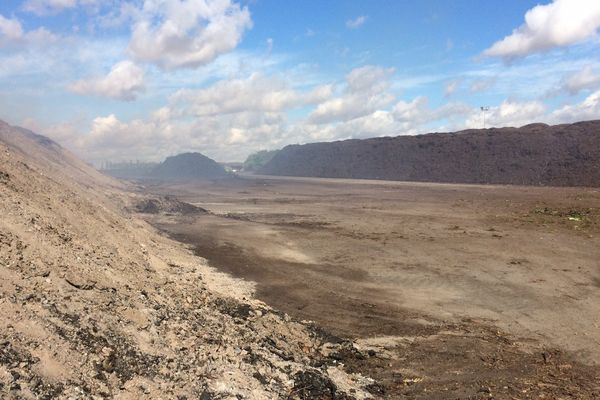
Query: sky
point(144, 79)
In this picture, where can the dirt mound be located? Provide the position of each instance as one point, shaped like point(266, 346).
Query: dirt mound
point(51, 157)
point(536, 154)
point(167, 205)
point(188, 166)
point(96, 304)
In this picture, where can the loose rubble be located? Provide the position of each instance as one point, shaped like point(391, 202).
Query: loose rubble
point(97, 305)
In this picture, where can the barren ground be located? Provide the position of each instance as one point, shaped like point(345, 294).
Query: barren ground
point(460, 291)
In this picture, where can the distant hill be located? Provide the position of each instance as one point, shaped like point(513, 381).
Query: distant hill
point(257, 160)
point(188, 166)
point(536, 154)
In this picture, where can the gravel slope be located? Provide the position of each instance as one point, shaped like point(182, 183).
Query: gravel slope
point(95, 304)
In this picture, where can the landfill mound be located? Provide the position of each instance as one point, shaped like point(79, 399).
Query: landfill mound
point(167, 205)
point(535, 154)
point(96, 304)
point(188, 166)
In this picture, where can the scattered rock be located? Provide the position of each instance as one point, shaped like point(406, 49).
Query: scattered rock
point(79, 283)
point(312, 385)
point(168, 205)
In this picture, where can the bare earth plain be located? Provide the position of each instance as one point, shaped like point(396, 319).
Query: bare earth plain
point(453, 291)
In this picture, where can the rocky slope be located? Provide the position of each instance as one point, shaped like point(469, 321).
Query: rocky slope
point(95, 304)
point(537, 154)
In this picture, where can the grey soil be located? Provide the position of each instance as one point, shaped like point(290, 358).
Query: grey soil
point(456, 291)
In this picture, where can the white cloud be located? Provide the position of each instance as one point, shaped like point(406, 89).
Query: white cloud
point(45, 7)
point(255, 93)
point(223, 137)
point(365, 92)
point(175, 34)
point(10, 29)
point(377, 123)
point(588, 109)
point(367, 78)
point(357, 22)
point(482, 84)
point(451, 87)
point(583, 80)
point(406, 111)
point(226, 120)
point(417, 112)
point(559, 24)
point(13, 34)
point(404, 118)
point(50, 7)
point(118, 15)
point(509, 113)
point(124, 82)
point(234, 133)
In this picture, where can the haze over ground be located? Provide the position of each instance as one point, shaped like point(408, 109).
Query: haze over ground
point(120, 80)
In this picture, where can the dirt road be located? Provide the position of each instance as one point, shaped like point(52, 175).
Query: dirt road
point(479, 288)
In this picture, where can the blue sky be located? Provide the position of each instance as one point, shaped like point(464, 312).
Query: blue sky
point(143, 79)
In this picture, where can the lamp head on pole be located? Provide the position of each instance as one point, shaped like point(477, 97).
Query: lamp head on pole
point(483, 110)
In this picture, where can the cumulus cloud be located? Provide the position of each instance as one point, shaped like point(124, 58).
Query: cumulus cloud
point(109, 138)
point(124, 82)
point(585, 79)
point(588, 109)
point(13, 34)
point(509, 113)
point(225, 120)
point(356, 22)
point(117, 14)
point(255, 93)
point(187, 34)
point(369, 77)
point(404, 118)
point(232, 117)
point(417, 112)
point(558, 24)
point(365, 92)
point(377, 123)
point(223, 137)
point(410, 110)
point(233, 135)
point(10, 29)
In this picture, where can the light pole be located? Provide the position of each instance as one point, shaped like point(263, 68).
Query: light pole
point(483, 110)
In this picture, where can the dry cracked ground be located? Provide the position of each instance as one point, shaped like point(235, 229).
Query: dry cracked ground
point(96, 303)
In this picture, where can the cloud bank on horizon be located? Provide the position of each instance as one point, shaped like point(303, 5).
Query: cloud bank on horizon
point(143, 79)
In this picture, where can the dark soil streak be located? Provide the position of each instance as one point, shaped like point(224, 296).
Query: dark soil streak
point(294, 294)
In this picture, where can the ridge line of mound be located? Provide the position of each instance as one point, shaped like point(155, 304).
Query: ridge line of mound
point(535, 154)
